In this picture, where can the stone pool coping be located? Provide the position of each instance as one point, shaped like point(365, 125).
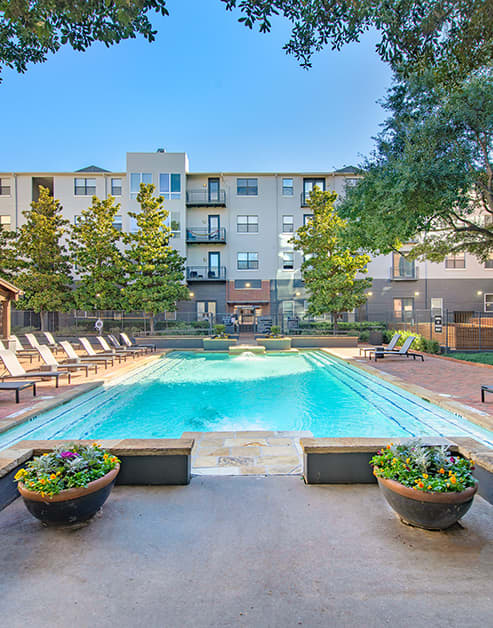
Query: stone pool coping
point(456, 407)
point(162, 461)
point(347, 460)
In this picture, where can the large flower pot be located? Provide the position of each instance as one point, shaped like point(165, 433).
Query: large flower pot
point(218, 344)
point(431, 511)
point(72, 505)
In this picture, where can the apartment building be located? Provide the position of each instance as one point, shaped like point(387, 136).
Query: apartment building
point(234, 229)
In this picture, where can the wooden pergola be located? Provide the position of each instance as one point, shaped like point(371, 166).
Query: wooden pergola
point(8, 293)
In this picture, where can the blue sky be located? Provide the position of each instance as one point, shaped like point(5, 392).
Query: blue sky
point(231, 98)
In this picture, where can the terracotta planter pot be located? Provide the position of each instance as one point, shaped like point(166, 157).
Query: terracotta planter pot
point(72, 505)
point(431, 511)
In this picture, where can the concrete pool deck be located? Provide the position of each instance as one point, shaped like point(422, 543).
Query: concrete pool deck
point(245, 551)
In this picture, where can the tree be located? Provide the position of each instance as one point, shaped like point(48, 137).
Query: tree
point(44, 268)
point(8, 258)
point(95, 253)
point(454, 37)
point(155, 269)
point(31, 30)
point(432, 173)
point(330, 268)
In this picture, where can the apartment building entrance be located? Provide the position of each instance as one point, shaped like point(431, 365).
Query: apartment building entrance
point(247, 317)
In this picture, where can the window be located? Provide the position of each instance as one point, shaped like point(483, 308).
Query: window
point(403, 309)
point(117, 223)
point(4, 187)
point(351, 182)
point(488, 302)
point(175, 224)
point(287, 187)
point(287, 224)
point(436, 306)
point(288, 260)
point(116, 187)
point(205, 309)
point(402, 268)
point(306, 218)
point(136, 178)
point(5, 222)
point(248, 284)
point(308, 185)
point(288, 308)
point(489, 262)
point(247, 261)
point(170, 186)
point(247, 187)
point(455, 261)
point(84, 187)
point(247, 224)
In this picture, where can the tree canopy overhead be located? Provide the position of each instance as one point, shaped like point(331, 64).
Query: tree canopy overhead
point(454, 36)
point(432, 171)
point(29, 30)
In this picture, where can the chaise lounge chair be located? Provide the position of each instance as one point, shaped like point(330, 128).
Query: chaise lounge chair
point(22, 352)
point(52, 343)
point(50, 360)
point(106, 347)
point(33, 341)
point(16, 371)
point(120, 347)
point(402, 352)
point(390, 347)
point(130, 344)
point(88, 348)
point(72, 355)
point(485, 389)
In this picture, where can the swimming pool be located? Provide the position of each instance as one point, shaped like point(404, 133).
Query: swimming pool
point(187, 391)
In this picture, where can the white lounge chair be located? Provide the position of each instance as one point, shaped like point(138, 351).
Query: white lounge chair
point(33, 341)
point(89, 349)
point(130, 344)
point(106, 347)
point(50, 360)
point(16, 371)
point(119, 347)
point(52, 343)
point(72, 355)
point(23, 352)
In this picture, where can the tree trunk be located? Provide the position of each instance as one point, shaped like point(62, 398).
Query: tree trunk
point(151, 324)
point(334, 318)
point(42, 320)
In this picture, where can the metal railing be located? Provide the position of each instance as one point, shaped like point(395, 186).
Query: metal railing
point(410, 274)
point(206, 273)
point(205, 198)
point(203, 234)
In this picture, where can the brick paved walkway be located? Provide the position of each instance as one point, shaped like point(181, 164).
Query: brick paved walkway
point(461, 380)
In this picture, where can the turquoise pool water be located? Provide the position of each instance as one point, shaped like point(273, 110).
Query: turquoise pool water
point(216, 392)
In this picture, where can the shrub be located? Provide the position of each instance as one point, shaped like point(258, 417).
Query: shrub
point(220, 330)
point(420, 344)
point(364, 336)
point(275, 330)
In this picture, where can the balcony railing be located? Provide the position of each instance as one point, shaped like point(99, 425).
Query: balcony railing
point(206, 198)
point(206, 273)
point(407, 274)
point(203, 234)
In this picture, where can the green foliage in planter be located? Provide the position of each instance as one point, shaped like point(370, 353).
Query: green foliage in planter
point(275, 331)
point(220, 330)
point(364, 336)
point(428, 469)
point(67, 466)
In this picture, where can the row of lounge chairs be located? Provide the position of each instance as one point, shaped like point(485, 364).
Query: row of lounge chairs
point(110, 350)
point(391, 350)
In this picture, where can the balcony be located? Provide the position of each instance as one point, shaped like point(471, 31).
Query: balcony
point(408, 273)
point(203, 235)
point(206, 198)
point(206, 273)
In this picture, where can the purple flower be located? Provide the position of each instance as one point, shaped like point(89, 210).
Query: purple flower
point(68, 454)
point(452, 459)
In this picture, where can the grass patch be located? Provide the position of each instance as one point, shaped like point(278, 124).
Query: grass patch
point(482, 358)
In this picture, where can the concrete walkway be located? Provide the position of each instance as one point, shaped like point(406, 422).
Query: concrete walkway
point(249, 552)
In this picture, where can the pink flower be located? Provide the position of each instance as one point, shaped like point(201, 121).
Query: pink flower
point(68, 454)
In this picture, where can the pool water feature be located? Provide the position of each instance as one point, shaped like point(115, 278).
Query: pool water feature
point(187, 391)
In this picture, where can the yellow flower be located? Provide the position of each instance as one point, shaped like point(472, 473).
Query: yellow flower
point(425, 475)
point(45, 454)
point(448, 484)
point(42, 481)
point(408, 460)
point(53, 476)
point(394, 460)
point(420, 484)
point(429, 486)
point(20, 474)
point(453, 479)
point(442, 471)
point(42, 494)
